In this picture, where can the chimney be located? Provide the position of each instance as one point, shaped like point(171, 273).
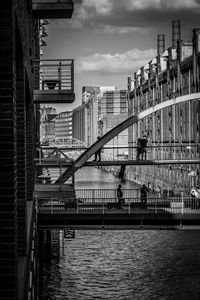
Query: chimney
point(160, 44)
point(176, 33)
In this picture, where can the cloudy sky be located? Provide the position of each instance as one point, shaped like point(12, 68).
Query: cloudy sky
point(111, 39)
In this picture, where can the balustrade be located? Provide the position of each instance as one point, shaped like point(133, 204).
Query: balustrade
point(154, 152)
point(105, 201)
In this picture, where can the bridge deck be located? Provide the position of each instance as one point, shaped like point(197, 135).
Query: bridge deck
point(57, 217)
point(55, 163)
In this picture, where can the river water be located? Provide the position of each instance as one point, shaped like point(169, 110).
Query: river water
point(123, 264)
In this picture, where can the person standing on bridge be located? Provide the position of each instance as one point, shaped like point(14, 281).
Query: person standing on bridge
point(143, 196)
point(97, 153)
point(144, 143)
point(138, 149)
point(120, 197)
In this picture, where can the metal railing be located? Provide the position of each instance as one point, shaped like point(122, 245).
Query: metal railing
point(64, 157)
point(153, 152)
point(56, 74)
point(173, 205)
point(105, 194)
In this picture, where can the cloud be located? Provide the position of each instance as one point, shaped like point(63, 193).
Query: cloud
point(91, 8)
point(128, 16)
point(110, 29)
point(160, 4)
point(127, 62)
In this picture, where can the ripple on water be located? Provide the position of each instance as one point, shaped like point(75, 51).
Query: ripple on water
point(126, 265)
point(120, 265)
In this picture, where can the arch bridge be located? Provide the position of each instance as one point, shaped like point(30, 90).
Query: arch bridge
point(82, 159)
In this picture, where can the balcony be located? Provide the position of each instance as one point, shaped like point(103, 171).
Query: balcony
point(52, 9)
point(56, 81)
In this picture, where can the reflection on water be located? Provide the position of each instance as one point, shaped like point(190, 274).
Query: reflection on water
point(94, 178)
point(126, 264)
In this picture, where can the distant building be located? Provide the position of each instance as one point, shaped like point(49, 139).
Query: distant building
point(63, 125)
point(53, 125)
point(88, 118)
point(90, 91)
point(113, 102)
point(87, 91)
point(121, 140)
point(47, 123)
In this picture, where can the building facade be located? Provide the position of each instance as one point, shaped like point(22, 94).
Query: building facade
point(17, 151)
point(20, 48)
point(47, 124)
point(113, 103)
point(63, 125)
point(118, 145)
point(87, 91)
point(173, 73)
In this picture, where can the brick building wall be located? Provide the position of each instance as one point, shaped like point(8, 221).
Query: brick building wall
point(16, 145)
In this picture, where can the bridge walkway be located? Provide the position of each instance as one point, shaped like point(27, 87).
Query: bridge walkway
point(55, 213)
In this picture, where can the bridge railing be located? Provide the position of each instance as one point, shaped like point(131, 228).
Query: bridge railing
point(172, 205)
point(67, 142)
point(153, 152)
point(110, 193)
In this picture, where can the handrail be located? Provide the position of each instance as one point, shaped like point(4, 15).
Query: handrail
point(171, 205)
point(164, 153)
point(55, 74)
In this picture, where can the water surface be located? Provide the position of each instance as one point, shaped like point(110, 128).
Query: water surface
point(123, 264)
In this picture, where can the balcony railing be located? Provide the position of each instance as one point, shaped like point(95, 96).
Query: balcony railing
point(56, 74)
point(56, 80)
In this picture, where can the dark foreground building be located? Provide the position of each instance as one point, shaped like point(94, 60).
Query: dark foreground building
point(19, 77)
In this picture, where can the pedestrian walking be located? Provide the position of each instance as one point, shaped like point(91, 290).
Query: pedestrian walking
point(143, 196)
point(120, 197)
point(97, 155)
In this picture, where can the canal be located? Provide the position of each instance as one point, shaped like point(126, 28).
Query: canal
point(122, 264)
